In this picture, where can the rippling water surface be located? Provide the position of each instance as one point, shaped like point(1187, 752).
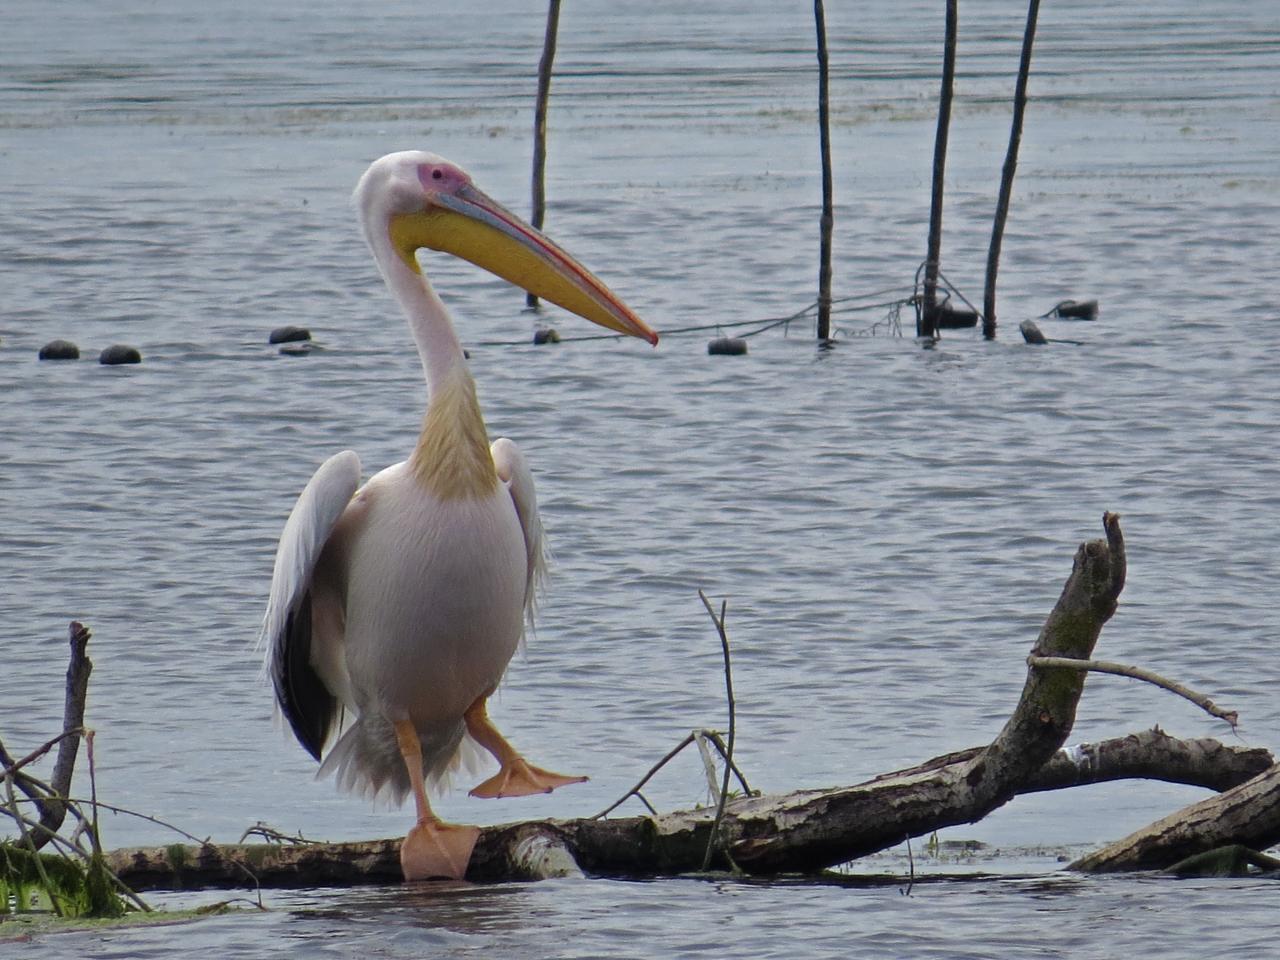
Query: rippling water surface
point(889, 524)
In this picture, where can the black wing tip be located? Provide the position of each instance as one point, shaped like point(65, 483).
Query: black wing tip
point(305, 701)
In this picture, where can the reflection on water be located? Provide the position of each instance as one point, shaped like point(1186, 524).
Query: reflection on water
point(889, 524)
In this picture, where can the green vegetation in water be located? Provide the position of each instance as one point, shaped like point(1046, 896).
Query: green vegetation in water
point(36, 881)
point(25, 926)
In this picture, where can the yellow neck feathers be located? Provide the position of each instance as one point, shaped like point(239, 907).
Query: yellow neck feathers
point(452, 457)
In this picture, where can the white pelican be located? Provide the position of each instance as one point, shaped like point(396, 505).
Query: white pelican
point(395, 607)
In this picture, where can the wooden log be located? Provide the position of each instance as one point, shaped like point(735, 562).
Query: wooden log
point(1248, 815)
point(1148, 755)
point(803, 831)
point(539, 849)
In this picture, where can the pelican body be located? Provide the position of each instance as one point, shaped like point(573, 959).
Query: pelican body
point(396, 606)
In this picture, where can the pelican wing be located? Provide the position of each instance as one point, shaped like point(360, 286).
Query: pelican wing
point(307, 702)
point(513, 470)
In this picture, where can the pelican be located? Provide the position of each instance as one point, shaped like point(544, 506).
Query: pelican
point(395, 606)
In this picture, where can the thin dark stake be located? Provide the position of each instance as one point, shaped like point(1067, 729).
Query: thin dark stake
point(540, 122)
point(928, 324)
point(1006, 177)
point(828, 207)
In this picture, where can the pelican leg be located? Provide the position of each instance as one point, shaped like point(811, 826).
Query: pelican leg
point(517, 777)
point(432, 847)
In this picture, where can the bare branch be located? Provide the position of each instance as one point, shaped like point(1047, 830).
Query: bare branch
point(1139, 673)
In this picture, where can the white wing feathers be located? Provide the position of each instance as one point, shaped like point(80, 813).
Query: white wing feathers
point(306, 703)
point(310, 522)
point(513, 470)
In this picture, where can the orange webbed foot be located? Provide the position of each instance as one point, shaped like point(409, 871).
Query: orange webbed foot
point(434, 849)
point(519, 778)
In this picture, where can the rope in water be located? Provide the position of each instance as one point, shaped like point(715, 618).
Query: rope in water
point(850, 304)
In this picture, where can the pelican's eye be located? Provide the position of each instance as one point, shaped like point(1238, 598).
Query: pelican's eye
point(437, 174)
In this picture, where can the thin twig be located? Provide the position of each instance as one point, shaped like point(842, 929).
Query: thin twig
point(272, 835)
point(635, 791)
point(724, 752)
point(40, 751)
point(1138, 673)
point(724, 786)
point(911, 866)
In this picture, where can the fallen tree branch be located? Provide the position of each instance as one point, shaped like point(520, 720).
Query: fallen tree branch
point(802, 831)
point(1139, 673)
point(1248, 814)
point(1148, 755)
point(50, 798)
point(288, 863)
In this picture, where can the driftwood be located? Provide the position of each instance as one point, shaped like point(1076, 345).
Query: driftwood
point(809, 830)
point(1247, 815)
point(802, 831)
point(556, 848)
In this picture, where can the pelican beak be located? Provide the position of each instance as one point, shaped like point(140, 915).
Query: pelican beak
point(467, 223)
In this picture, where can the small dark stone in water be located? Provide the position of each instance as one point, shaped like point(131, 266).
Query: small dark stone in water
point(289, 334)
point(727, 346)
point(1031, 333)
point(546, 335)
point(119, 353)
point(298, 349)
point(59, 350)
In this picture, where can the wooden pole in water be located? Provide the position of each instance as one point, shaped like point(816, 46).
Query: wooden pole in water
point(1006, 178)
point(928, 325)
point(540, 122)
point(828, 211)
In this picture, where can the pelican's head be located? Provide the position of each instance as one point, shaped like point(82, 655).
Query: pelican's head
point(422, 200)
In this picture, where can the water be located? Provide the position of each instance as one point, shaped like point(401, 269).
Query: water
point(888, 524)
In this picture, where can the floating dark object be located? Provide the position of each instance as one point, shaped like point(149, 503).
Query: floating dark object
point(289, 334)
point(546, 335)
point(947, 317)
point(119, 353)
point(727, 346)
point(59, 350)
point(296, 348)
point(1075, 310)
point(1031, 333)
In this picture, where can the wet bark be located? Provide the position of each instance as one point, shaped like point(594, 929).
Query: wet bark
point(636, 846)
point(1247, 815)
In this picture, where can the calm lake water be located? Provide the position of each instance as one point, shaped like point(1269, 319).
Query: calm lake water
point(889, 524)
